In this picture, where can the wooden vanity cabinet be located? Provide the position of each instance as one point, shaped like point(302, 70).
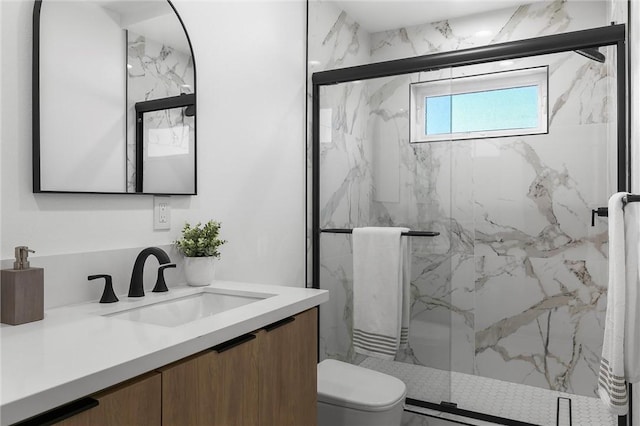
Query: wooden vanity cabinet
point(264, 378)
point(134, 402)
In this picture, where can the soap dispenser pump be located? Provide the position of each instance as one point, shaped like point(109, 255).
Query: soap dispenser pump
point(21, 291)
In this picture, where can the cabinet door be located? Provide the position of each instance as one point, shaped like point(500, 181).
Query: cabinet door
point(135, 402)
point(288, 388)
point(215, 387)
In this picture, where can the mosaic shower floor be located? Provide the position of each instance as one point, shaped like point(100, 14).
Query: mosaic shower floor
point(490, 396)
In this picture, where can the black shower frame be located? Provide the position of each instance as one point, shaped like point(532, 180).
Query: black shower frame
point(613, 35)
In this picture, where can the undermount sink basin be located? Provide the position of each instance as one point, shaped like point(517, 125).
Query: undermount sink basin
point(172, 313)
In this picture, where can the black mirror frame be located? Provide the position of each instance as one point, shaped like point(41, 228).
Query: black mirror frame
point(35, 117)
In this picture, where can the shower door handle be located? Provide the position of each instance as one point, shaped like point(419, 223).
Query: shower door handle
point(600, 211)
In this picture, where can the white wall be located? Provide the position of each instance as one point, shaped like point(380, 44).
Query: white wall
point(91, 87)
point(250, 63)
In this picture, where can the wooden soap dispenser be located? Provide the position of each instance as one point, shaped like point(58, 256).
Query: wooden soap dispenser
point(21, 291)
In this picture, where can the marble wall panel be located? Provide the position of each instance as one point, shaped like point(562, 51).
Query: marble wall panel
point(346, 188)
point(540, 268)
point(515, 23)
point(540, 320)
point(334, 40)
point(529, 201)
point(336, 316)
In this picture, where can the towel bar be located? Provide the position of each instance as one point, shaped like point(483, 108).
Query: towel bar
point(631, 198)
point(409, 233)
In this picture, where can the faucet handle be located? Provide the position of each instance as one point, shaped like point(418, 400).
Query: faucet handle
point(108, 296)
point(161, 285)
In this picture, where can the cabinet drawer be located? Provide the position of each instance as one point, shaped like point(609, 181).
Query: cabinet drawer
point(288, 387)
point(215, 387)
point(134, 402)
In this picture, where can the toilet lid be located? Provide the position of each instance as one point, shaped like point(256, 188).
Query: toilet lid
point(356, 387)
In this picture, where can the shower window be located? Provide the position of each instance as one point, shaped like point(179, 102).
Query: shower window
point(499, 104)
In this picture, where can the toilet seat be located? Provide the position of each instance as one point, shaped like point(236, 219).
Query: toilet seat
point(347, 385)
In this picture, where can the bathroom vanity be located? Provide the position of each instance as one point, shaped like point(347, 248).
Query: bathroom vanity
point(251, 359)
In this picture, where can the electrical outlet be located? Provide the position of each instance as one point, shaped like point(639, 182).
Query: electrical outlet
point(161, 213)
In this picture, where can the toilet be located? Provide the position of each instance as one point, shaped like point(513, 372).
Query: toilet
point(349, 395)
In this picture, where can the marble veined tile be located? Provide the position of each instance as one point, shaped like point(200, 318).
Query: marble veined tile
point(336, 315)
point(336, 40)
point(541, 199)
point(441, 334)
point(541, 324)
point(513, 23)
point(345, 163)
point(580, 91)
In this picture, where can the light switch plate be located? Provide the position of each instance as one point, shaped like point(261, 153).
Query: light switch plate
point(161, 212)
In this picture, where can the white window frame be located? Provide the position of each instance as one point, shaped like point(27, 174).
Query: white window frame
point(537, 76)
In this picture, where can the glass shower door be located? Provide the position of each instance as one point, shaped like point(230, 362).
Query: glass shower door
point(370, 175)
point(539, 272)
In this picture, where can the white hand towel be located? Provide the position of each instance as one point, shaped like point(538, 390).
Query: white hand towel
point(632, 300)
point(379, 283)
point(406, 291)
point(635, 395)
point(611, 381)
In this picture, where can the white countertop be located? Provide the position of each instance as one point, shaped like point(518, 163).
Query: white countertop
point(76, 351)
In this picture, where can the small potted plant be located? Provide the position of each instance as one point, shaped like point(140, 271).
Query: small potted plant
point(199, 244)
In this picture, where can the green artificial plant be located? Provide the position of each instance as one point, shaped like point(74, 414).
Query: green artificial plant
point(199, 241)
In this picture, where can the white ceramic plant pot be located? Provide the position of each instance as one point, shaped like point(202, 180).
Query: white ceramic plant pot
point(199, 271)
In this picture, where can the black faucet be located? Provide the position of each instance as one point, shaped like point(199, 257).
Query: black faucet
point(136, 288)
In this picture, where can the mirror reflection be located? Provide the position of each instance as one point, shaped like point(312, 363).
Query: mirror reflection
point(116, 88)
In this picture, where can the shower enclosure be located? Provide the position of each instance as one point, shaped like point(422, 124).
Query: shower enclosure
point(509, 276)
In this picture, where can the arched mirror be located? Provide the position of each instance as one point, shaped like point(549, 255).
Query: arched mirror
point(114, 105)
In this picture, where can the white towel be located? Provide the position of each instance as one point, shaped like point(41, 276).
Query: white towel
point(632, 321)
point(406, 291)
point(381, 290)
point(621, 348)
point(632, 303)
point(635, 394)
